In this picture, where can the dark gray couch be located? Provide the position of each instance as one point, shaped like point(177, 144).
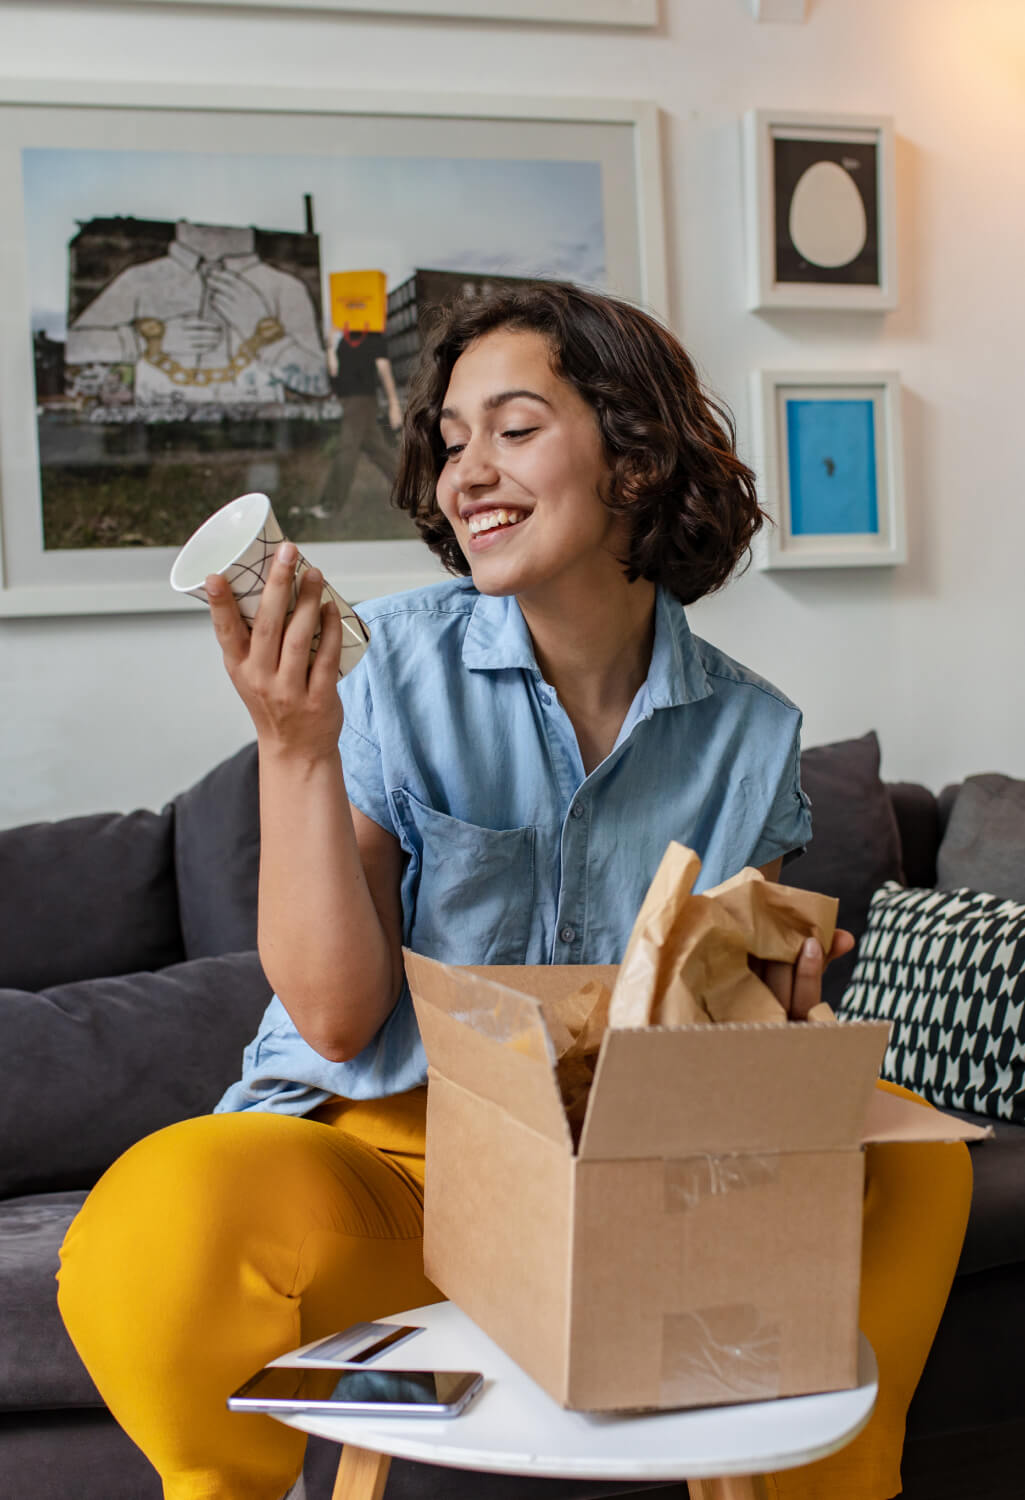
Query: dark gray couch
point(132, 985)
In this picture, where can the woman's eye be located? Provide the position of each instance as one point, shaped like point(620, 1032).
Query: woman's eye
point(519, 432)
point(452, 450)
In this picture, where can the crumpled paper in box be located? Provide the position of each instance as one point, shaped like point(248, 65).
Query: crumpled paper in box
point(687, 959)
point(687, 963)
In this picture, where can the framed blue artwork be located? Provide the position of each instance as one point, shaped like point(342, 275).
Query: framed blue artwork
point(820, 209)
point(829, 468)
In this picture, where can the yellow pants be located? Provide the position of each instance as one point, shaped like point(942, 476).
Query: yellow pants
point(217, 1244)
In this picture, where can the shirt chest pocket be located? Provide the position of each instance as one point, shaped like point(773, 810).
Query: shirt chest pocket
point(468, 892)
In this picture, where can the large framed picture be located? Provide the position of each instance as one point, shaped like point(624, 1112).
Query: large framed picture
point(572, 12)
point(210, 291)
point(821, 211)
point(828, 458)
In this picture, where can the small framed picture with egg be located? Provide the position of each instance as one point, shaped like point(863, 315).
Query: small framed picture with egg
point(828, 457)
point(821, 220)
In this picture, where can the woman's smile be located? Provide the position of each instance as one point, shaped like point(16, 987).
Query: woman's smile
point(487, 527)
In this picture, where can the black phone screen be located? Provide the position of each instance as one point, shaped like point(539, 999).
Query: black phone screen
point(377, 1387)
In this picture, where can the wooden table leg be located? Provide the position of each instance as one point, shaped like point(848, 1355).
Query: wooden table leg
point(729, 1487)
point(362, 1474)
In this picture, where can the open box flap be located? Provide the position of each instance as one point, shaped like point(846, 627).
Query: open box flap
point(549, 984)
point(891, 1118)
point(712, 1090)
point(490, 1039)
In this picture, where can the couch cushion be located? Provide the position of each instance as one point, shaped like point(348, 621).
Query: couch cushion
point(87, 1069)
point(217, 856)
point(996, 1228)
point(38, 1363)
point(948, 969)
point(855, 845)
point(917, 811)
point(983, 847)
point(85, 897)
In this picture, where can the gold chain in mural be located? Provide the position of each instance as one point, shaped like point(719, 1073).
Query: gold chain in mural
point(151, 331)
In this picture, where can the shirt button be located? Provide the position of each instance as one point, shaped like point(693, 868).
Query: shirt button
point(567, 934)
point(545, 699)
point(577, 810)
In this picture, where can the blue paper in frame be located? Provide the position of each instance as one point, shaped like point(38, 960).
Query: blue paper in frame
point(831, 460)
point(829, 469)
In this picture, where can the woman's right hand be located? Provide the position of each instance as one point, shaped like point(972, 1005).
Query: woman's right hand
point(294, 705)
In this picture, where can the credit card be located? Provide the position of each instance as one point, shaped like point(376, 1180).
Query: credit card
point(358, 1344)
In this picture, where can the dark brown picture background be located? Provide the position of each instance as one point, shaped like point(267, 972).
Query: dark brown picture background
point(791, 159)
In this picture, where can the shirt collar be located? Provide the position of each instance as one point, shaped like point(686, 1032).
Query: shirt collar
point(190, 261)
point(497, 637)
point(676, 674)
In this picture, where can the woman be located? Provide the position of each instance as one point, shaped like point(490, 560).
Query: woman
point(516, 749)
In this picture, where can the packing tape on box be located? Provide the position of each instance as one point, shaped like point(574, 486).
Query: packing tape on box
point(688, 1181)
point(512, 1020)
point(719, 1354)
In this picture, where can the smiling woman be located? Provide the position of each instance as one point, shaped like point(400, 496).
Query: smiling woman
point(495, 782)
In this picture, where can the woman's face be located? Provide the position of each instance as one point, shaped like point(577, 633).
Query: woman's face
point(524, 471)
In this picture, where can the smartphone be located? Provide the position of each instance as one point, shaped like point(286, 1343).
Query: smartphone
point(373, 1393)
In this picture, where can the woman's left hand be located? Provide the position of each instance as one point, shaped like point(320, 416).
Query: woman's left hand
point(798, 986)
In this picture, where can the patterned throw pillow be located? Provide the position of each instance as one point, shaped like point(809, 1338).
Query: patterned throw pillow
point(948, 969)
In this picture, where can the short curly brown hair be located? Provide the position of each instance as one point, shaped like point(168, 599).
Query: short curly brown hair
point(670, 447)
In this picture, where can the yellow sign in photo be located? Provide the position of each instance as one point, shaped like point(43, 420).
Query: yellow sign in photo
point(358, 300)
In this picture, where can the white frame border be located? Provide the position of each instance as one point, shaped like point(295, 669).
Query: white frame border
point(565, 12)
point(775, 548)
point(390, 566)
point(763, 291)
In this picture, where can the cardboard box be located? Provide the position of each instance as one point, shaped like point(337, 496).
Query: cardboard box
point(702, 1244)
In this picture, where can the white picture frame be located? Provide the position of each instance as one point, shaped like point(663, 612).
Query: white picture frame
point(828, 459)
point(621, 135)
point(820, 209)
point(565, 12)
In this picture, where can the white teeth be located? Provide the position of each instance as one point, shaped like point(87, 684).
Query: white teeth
point(487, 520)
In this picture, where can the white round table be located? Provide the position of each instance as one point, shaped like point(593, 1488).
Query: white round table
point(514, 1427)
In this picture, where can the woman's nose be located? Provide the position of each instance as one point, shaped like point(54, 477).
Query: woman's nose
point(476, 466)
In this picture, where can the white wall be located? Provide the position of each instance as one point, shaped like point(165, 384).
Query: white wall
point(117, 712)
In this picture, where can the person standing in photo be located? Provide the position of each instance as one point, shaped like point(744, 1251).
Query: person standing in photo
point(358, 364)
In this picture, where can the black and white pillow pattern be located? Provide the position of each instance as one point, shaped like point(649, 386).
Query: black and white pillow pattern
point(948, 969)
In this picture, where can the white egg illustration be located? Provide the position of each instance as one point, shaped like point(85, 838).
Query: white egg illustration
point(827, 217)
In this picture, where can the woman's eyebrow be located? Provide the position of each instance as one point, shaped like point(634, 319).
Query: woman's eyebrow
point(495, 401)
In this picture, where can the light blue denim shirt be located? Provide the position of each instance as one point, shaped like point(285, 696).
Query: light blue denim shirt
point(454, 743)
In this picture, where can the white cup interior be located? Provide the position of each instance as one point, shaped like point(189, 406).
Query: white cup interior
point(220, 541)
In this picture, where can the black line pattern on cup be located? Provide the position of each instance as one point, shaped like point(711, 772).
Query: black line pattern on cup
point(257, 570)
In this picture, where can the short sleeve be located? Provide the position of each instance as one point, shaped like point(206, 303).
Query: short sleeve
point(787, 828)
point(361, 750)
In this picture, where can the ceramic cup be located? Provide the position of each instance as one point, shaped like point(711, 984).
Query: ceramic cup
point(238, 542)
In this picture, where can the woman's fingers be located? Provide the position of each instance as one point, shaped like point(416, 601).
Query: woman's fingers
point(807, 989)
point(779, 977)
point(275, 602)
point(843, 942)
point(798, 986)
point(231, 630)
point(301, 629)
point(324, 671)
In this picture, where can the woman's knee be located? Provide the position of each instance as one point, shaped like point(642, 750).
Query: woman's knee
point(176, 1202)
